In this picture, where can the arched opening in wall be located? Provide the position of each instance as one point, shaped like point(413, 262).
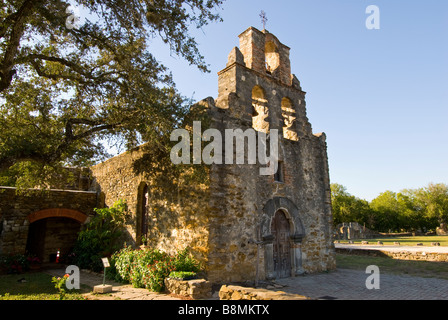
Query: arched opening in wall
point(289, 117)
point(48, 236)
point(281, 232)
point(260, 110)
point(272, 57)
point(143, 213)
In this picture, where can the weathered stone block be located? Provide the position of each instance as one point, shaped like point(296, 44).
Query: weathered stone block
point(243, 293)
point(196, 289)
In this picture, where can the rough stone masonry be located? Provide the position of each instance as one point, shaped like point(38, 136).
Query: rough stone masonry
point(240, 224)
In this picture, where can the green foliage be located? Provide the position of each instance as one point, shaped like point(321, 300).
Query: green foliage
point(348, 208)
point(388, 211)
point(184, 261)
point(182, 275)
point(153, 275)
point(100, 236)
point(409, 210)
point(66, 91)
point(143, 268)
point(434, 198)
point(38, 286)
point(18, 263)
point(60, 285)
point(120, 265)
point(412, 212)
point(148, 268)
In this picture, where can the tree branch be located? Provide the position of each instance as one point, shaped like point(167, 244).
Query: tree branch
point(78, 69)
point(17, 29)
point(70, 138)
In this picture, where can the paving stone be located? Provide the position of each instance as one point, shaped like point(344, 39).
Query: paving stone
point(350, 285)
point(342, 284)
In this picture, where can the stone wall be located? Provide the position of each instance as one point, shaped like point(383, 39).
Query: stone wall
point(353, 230)
point(240, 196)
point(17, 208)
point(399, 255)
point(220, 217)
point(60, 235)
point(223, 212)
point(176, 211)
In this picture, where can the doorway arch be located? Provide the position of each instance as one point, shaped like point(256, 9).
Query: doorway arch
point(281, 232)
point(53, 230)
point(281, 215)
point(57, 213)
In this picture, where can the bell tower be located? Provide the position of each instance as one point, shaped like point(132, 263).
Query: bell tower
point(258, 73)
point(264, 53)
point(288, 213)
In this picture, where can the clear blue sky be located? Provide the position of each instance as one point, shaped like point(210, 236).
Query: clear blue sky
point(381, 96)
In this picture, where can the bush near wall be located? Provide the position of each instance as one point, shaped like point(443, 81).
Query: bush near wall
point(18, 263)
point(148, 268)
point(100, 237)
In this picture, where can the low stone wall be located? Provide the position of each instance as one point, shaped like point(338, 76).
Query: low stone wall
point(243, 293)
point(399, 255)
point(195, 289)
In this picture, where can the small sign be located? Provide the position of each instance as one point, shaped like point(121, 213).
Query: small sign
point(106, 263)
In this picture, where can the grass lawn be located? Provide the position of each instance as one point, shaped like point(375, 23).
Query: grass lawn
point(407, 241)
point(37, 286)
point(426, 269)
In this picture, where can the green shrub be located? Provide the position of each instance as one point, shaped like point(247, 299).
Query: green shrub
point(18, 263)
point(153, 275)
point(149, 268)
point(184, 261)
point(142, 268)
point(100, 237)
point(183, 275)
point(60, 285)
point(120, 265)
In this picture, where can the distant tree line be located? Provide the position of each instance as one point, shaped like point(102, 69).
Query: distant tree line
point(409, 210)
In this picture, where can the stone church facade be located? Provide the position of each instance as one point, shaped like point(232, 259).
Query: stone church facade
point(240, 224)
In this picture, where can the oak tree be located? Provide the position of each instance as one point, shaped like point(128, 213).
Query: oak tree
point(66, 88)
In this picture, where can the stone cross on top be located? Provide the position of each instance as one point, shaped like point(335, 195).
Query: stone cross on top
point(264, 19)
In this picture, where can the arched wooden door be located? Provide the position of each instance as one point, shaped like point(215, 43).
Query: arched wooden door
point(281, 231)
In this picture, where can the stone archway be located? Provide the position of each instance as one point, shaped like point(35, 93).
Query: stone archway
point(53, 230)
point(57, 213)
point(282, 211)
